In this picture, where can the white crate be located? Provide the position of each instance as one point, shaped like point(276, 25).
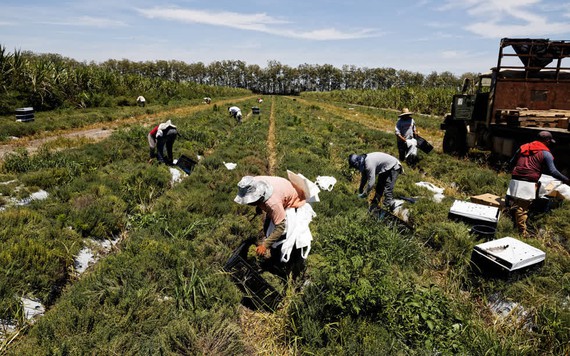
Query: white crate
point(475, 213)
point(507, 254)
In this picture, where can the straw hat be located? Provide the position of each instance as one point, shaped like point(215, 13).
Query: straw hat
point(251, 190)
point(405, 112)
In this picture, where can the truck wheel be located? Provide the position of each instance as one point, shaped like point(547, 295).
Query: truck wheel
point(455, 141)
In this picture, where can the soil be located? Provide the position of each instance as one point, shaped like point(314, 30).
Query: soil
point(271, 142)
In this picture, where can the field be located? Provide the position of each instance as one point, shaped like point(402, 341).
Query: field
point(370, 287)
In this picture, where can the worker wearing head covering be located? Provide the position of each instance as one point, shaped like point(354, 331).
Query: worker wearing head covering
point(236, 113)
point(377, 166)
point(406, 132)
point(530, 161)
point(272, 195)
point(285, 209)
point(162, 137)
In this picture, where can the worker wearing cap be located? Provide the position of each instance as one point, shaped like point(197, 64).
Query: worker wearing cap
point(406, 132)
point(530, 161)
point(381, 166)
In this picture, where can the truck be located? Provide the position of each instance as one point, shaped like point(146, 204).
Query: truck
point(527, 92)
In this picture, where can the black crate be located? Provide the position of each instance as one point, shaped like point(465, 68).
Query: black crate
point(25, 114)
point(423, 144)
point(255, 110)
point(186, 164)
point(257, 292)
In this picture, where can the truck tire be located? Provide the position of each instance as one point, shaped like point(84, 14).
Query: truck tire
point(455, 141)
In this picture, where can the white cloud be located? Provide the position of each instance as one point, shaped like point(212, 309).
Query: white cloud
point(509, 18)
point(537, 29)
point(260, 22)
point(453, 54)
point(89, 21)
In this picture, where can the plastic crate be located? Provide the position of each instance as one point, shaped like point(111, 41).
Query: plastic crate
point(25, 114)
point(186, 164)
point(506, 257)
point(255, 110)
point(423, 144)
point(257, 291)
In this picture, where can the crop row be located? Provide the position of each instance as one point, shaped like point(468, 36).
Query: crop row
point(369, 286)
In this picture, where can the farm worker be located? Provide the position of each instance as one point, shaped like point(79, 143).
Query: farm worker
point(406, 132)
point(207, 100)
point(286, 210)
point(381, 166)
point(259, 100)
point(162, 136)
point(141, 101)
point(530, 161)
point(235, 112)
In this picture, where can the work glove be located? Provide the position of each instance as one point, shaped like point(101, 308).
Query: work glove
point(261, 250)
point(363, 195)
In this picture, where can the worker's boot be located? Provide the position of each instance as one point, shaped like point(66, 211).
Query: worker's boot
point(521, 216)
point(374, 204)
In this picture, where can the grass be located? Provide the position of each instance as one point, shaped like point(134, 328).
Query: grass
point(369, 287)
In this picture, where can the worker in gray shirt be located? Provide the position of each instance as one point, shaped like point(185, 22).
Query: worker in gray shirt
point(381, 166)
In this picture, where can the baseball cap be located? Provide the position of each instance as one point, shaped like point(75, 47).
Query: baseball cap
point(545, 135)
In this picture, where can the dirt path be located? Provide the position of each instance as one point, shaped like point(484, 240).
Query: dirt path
point(271, 141)
point(102, 130)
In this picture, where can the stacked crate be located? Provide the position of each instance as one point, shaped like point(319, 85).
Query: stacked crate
point(534, 118)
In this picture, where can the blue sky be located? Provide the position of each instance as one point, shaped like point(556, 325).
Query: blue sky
point(421, 36)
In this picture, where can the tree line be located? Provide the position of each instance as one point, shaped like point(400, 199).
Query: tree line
point(49, 81)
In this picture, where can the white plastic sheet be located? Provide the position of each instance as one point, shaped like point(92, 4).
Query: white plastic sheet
point(310, 189)
point(230, 166)
point(325, 182)
point(438, 192)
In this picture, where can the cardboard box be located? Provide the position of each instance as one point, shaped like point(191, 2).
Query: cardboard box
point(488, 199)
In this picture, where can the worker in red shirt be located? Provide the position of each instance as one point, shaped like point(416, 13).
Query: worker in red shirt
point(162, 137)
point(530, 161)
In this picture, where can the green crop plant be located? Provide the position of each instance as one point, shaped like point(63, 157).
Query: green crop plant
point(369, 287)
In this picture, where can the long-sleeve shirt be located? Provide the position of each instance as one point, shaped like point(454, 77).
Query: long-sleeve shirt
point(153, 132)
point(284, 196)
point(532, 160)
point(234, 110)
point(405, 127)
point(374, 164)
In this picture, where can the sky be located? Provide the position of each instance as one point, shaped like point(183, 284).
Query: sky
point(424, 36)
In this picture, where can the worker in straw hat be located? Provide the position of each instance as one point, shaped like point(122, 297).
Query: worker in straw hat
point(162, 137)
point(530, 161)
point(286, 210)
point(406, 132)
